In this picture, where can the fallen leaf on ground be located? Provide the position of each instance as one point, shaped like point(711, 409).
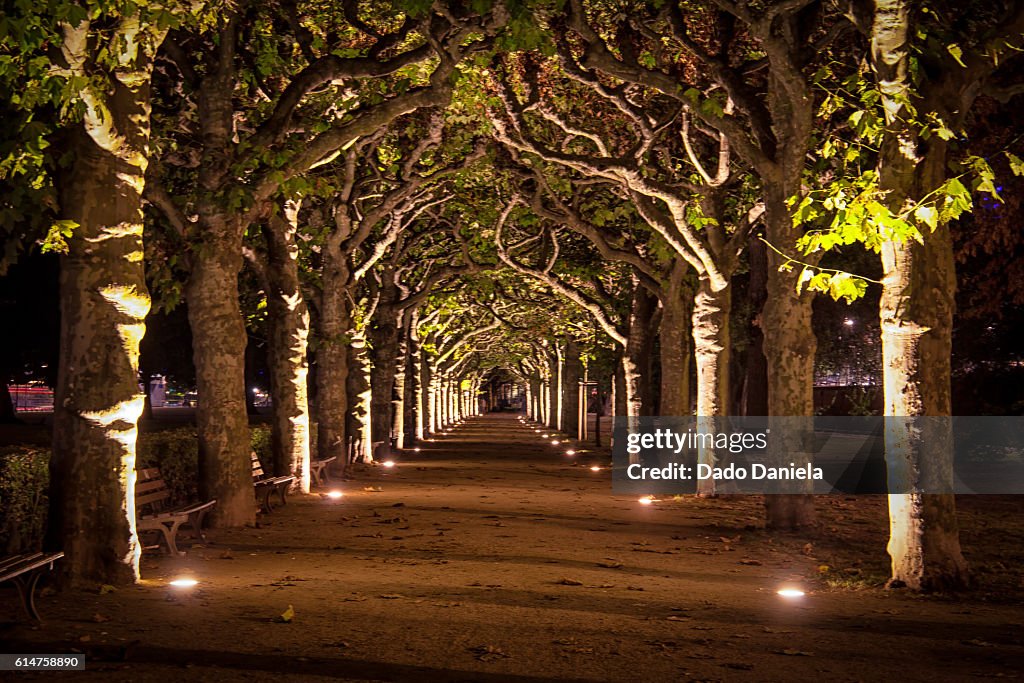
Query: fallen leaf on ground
point(570, 582)
point(286, 616)
point(486, 653)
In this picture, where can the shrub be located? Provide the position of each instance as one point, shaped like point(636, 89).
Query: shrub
point(24, 479)
point(176, 453)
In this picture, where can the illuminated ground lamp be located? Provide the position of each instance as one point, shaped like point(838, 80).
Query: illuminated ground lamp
point(388, 463)
point(184, 583)
point(595, 468)
point(417, 450)
point(646, 500)
point(555, 442)
point(536, 430)
point(570, 452)
point(334, 495)
point(790, 593)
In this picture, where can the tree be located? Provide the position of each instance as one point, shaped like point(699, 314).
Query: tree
point(98, 77)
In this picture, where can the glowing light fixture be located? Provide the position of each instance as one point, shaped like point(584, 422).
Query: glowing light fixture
point(417, 450)
point(555, 442)
point(595, 468)
point(388, 463)
point(335, 495)
point(646, 500)
point(570, 452)
point(184, 583)
point(791, 593)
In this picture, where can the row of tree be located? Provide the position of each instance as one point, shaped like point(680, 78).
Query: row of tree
point(418, 189)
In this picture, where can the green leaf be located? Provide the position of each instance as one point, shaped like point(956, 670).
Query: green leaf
point(927, 215)
point(957, 53)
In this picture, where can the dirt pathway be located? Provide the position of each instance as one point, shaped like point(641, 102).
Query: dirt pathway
point(491, 556)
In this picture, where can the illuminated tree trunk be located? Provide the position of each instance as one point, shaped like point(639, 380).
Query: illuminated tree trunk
point(97, 405)
point(789, 347)
point(571, 388)
point(675, 337)
point(711, 347)
point(357, 425)
point(916, 311)
point(335, 321)
point(554, 385)
point(402, 405)
point(288, 323)
point(414, 403)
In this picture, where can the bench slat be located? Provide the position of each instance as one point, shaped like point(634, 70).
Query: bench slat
point(25, 563)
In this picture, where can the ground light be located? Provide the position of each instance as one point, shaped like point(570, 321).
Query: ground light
point(646, 500)
point(570, 452)
point(555, 442)
point(791, 593)
point(388, 463)
point(416, 450)
point(595, 468)
point(334, 495)
point(184, 583)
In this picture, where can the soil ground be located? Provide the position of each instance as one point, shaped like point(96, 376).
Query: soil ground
point(491, 556)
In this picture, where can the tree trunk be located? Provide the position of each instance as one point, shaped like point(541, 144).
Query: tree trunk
point(789, 345)
point(97, 405)
point(288, 322)
point(219, 339)
point(916, 311)
point(357, 425)
point(400, 405)
point(754, 398)
point(385, 340)
point(675, 337)
point(571, 389)
point(554, 390)
point(7, 412)
point(637, 354)
point(332, 369)
point(711, 347)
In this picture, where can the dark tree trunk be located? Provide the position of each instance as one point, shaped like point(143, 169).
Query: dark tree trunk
point(675, 337)
point(754, 398)
point(219, 340)
point(789, 345)
point(385, 342)
point(637, 355)
point(332, 364)
point(7, 412)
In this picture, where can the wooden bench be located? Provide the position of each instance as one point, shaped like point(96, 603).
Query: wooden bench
point(24, 571)
point(267, 485)
point(318, 469)
point(151, 503)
